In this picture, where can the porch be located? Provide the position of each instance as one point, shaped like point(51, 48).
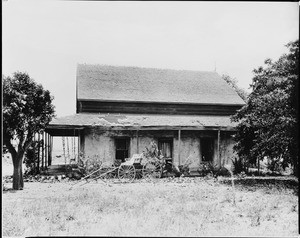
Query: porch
point(116, 137)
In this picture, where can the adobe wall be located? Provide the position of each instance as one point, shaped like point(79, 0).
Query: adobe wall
point(102, 143)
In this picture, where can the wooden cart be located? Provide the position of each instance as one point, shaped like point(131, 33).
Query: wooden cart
point(138, 166)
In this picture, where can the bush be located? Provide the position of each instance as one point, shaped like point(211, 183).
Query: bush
point(223, 172)
point(31, 158)
point(212, 169)
point(239, 165)
point(87, 165)
point(275, 165)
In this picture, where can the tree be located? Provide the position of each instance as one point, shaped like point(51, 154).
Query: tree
point(268, 122)
point(233, 83)
point(27, 109)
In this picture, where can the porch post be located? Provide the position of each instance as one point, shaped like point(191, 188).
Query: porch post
point(78, 145)
point(179, 144)
point(34, 154)
point(50, 150)
point(219, 157)
point(46, 150)
point(39, 147)
point(43, 149)
point(137, 141)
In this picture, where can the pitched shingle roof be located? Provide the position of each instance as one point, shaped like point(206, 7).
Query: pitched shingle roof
point(114, 83)
point(134, 120)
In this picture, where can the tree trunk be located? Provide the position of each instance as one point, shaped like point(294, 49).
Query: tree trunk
point(18, 182)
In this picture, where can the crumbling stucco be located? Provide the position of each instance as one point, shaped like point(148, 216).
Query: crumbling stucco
point(102, 143)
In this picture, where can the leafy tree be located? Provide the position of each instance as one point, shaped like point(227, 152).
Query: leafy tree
point(233, 83)
point(268, 122)
point(27, 109)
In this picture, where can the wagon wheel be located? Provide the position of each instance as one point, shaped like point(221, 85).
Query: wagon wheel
point(126, 173)
point(152, 170)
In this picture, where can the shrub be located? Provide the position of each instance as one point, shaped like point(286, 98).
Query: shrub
point(274, 165)
point(223, 172)
point(239, 165)
point(210, 168)
point(31, 158)
point(86, 165)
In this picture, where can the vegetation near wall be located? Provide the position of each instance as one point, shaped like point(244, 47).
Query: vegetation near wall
point(233, 83)
point(268, 122)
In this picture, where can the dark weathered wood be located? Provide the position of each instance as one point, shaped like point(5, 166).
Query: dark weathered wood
point(157, 108)
point(65, 130)
point(159, 128)
point(219, 147)
point(50, 149)
point(179, 146)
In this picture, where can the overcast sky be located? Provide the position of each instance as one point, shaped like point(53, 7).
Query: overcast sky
point(48, 38)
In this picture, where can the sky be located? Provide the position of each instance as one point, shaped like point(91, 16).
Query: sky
point(47, 39)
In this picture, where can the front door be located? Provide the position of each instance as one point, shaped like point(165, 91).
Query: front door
point(122, 148)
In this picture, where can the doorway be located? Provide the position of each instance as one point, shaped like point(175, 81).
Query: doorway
point(165, 146)
point(207, 149)
point(122, 148)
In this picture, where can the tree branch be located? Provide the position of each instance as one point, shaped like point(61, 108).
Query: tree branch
point(10, 147)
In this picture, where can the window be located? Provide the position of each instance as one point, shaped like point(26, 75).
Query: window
point(207, 149)
point(122, 148)
point(165, 146)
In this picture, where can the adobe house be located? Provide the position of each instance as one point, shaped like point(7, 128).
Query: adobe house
point(120, 110)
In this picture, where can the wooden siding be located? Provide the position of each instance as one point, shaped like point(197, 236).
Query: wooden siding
point(155, 108)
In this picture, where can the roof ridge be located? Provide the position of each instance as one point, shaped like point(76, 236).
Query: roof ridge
point(144, 67)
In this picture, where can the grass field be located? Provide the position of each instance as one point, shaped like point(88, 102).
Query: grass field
point(177, 207)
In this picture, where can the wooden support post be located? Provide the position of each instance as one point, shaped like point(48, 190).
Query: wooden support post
point(39, 145)
point(34, 155)
point(50, 150)
point(179, 145)
point(137, 141)
point(46, 150)
point(51, 147)
point(78, 144)
point(219, 156)
point(43, 149)
point(47, 146)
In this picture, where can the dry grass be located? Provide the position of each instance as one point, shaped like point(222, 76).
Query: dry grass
point(190, 207)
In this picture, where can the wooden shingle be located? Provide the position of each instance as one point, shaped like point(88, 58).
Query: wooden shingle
point(134, 84)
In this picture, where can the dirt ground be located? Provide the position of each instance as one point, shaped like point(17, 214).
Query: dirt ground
point(167, 207)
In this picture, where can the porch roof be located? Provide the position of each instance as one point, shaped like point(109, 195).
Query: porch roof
point(142, 122)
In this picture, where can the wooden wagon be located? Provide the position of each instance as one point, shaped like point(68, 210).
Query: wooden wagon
point(138, 166)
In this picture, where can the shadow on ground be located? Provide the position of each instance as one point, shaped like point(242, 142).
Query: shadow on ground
point(252, 184)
